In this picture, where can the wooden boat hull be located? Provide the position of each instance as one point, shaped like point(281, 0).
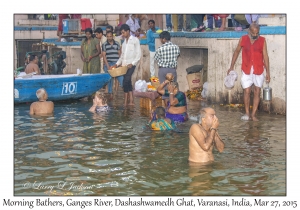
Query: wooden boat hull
point(58, 87)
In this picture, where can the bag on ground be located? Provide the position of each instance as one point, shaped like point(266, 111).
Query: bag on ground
point(140, 86)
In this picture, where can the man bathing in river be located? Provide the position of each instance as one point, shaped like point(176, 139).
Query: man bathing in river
point(204, 136)
point(42, 106)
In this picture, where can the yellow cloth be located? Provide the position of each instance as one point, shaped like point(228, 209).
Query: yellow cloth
point(161, 124)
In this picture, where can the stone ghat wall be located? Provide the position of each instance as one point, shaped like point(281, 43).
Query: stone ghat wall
point(215, 51)
point(74, 61)
point(212, 49)
point(215, 54)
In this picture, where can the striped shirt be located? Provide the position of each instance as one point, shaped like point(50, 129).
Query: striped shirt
point(112, 54)
point(167, 55)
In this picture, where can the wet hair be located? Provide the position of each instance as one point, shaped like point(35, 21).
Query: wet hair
point(109, 27)
point(32, 57)
point(101, 96)
point(202, 115)
point(165, 35)
point(151, 21)
point(90, 31)
point(160, 112)
point(40, 93)
point(109, 32)
point(125, 27)
point(98, 30)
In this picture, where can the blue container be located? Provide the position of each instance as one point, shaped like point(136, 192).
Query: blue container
point(65, 26)
point(71, 26)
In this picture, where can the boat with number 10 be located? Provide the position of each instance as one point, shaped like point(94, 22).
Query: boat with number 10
point(58, 87)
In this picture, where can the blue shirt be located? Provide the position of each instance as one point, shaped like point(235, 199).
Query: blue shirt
point(151, 40)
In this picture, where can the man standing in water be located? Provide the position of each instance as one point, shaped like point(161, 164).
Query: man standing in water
point(204, 136)
point(111, 51)
point(101, 38)
point(42, 106)
point(254, 59)
point(130, 56)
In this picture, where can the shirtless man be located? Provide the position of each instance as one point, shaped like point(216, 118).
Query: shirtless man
point(32, 66)
point(42, 106)
point(203, 137)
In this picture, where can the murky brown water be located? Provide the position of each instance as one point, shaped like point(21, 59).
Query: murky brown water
point(76, 152)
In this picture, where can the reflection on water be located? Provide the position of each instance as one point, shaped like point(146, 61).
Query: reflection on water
point(75, 152)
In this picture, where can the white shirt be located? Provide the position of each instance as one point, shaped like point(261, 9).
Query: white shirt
point(252, 17)
point(102, 41)
point(133, 25)
point(131, 52)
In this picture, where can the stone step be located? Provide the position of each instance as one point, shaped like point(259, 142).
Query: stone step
point(37, 22)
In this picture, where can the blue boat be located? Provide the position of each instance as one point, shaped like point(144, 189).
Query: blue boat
point(58, 87)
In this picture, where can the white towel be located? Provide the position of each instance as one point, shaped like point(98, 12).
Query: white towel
point(230, 79)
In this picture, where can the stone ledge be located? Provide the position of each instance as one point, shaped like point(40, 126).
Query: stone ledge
point(264, 30)
point(35, 28)
point(38, 22)
point(53, 41)
point(76, 43)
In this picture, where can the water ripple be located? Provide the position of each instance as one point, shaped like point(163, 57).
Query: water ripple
point(120, 157)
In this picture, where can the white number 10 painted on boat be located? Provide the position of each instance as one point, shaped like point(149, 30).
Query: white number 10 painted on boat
point(69, 88)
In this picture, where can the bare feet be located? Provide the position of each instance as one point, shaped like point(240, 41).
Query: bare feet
point(221, 28)
point(254, 118)
point(131, 104)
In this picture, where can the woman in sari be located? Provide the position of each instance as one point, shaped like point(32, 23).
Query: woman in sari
point(176, 106)
point(160, 122)
point(90, 51)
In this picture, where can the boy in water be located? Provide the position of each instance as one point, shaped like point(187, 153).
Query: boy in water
point(99, 103)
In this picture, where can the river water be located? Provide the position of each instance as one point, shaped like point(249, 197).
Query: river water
point(75, 152)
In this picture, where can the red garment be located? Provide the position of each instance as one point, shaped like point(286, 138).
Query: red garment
point(85, 23)
point(252, 55)
point(60, 19)
point(221, 16)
